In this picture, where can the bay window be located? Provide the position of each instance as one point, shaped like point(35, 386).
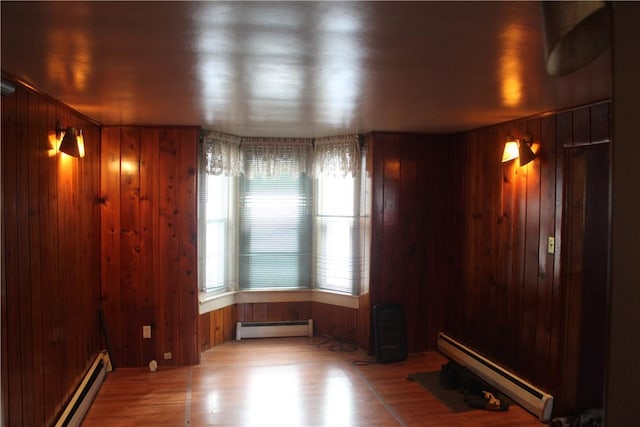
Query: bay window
point(302, 214)
point(217, 249)
point(342, 215)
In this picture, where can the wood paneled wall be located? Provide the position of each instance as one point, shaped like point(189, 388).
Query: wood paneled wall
point(148, 238)
point(50, 260)
point(219, 326)
point(507, 299)
point(458, 238)
point(411, 249)
point(273, 311)
point(585, 273)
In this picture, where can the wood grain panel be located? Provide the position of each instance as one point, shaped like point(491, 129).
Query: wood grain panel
point(581, 120)
point(376, 156)
point(391, 249)
point(459, 240)
point(50, 258)
point(407, 263)
point(364, 322)
point(564, 136)
point(51, 311)
point(273, 311)
point(407, 226)
point(4, 372)
point(452, 320)
point(340, 323)
point(110, 239)
point(11, 281)
point(188, 253)
point(530, 262)
point(503, 338)
point(510, 301)
point(148, 227)
point(168, 242)
point(546, 263)
point(147, 232)
point(38, 132)
point(596, 256)
point(130, 267)
point(599, 122)
point(26, 290)
point(217, 327)
point(205, 339)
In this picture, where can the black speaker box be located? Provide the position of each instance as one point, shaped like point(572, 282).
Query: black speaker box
point(390, 343)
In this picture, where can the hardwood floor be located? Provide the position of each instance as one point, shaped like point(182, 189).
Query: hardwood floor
point(284, 382)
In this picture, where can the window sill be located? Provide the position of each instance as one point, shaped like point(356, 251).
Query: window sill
point(215, 302)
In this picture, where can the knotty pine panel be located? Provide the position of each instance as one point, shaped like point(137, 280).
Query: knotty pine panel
point(586, 225)
point(273, 311)
point(531, 266)
point(509, 301)
point(148, 224)
point(563, 136)
point(50, 282)
point(392, 246)
point(409, 280)
point(410, 260)
point(546, 261)
point(217, 327)
point(330, 320)
point(110, 239)
point(166, 280)
point(376, 160)
point(148, 250)
point(364, 322)
point(187, 229)
point(130, 286)
point(340, 323)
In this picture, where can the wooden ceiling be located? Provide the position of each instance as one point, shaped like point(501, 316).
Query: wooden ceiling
point(303, 69)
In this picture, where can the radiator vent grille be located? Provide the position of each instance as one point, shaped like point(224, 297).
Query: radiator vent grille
point(82, 399)
point(526, 394)
point(295, 328)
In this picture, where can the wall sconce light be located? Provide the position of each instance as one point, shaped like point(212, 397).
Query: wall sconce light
point(72, 140)
point(519, 148)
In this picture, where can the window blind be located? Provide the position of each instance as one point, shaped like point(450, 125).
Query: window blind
point(275, 205)
point(342, 232)
point(217, 242)
point(275, 232)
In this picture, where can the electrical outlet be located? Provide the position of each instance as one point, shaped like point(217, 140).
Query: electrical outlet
point(551, 245)
point(167, 355)
point(146, 331)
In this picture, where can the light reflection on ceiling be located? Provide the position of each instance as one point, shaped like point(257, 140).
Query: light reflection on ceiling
point(297, 69)
point(511, 72)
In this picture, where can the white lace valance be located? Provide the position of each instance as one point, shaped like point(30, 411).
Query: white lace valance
point(230, 155)
point(337, 156)
point(221, 154)
point(270, 157)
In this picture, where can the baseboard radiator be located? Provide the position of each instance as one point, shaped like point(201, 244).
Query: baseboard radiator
point(295, 328)
point(524, 393)
point(81, 400)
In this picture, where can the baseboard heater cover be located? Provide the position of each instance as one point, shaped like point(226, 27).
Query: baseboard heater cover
point(295, 328)
point(86, 392)
point(521, 391)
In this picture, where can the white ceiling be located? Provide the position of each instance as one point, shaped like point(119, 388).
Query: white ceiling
point(302, 69)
